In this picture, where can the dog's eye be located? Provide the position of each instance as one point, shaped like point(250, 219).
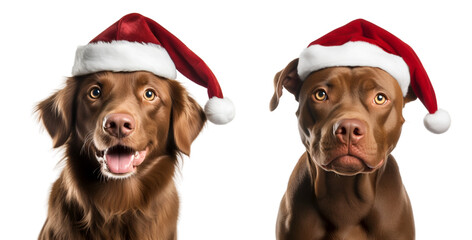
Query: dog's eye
point(320, 95)
point(380, 99)
point(149, 95)
point(95, 93)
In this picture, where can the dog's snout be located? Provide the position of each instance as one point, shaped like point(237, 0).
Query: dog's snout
point(119, 125)
point(349, 131)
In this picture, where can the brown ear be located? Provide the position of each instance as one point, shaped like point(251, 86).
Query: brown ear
point(287, 78)
point(56, 113)
point(410, 96)
point(188, 118)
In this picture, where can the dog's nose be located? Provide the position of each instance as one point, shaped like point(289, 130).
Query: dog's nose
point(119, 125)
point(349, 131)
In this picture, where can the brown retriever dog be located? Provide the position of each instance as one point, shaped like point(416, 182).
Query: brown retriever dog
point(122, 134)
point(346, 185)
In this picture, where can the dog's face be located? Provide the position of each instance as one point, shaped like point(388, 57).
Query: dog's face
point(350, 119)
point(124, 121)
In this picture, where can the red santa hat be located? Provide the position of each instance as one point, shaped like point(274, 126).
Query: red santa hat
point(361, 43)
point(137, 43)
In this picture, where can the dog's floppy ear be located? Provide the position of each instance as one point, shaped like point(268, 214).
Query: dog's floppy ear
point(410, 96)
point(188, 118)
point(56, 113)
point(287, 78)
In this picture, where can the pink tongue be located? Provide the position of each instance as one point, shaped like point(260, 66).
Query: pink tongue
point(120, 162)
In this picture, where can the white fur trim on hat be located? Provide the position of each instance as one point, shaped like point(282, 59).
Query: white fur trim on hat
point(438, 122)
point(317, 57)
point(123, 56)
point(219, 110)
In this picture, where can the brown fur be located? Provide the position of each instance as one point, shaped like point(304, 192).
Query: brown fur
point(83, 203)
point(346, 185)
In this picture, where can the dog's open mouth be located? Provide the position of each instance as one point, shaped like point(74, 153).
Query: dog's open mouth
point(121, 160)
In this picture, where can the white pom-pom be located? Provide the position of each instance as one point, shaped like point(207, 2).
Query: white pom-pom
point(219, 110)
point(438, 122)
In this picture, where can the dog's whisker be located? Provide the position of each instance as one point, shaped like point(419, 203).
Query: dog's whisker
point(99, 173)
point(88, 138)
point(88, 143)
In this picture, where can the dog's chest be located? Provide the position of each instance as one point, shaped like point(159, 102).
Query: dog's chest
point(345, 215)
point(356, 232)
point(344, 201)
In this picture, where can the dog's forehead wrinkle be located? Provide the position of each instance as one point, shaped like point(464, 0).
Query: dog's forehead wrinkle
point(331, 77)
point(377, 79)
point(367, 84)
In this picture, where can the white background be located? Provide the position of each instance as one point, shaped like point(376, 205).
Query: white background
point(231, 186)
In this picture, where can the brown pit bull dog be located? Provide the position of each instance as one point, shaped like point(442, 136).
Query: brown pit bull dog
point(347, 185)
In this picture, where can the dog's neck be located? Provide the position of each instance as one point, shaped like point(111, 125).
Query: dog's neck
point(343, 200)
